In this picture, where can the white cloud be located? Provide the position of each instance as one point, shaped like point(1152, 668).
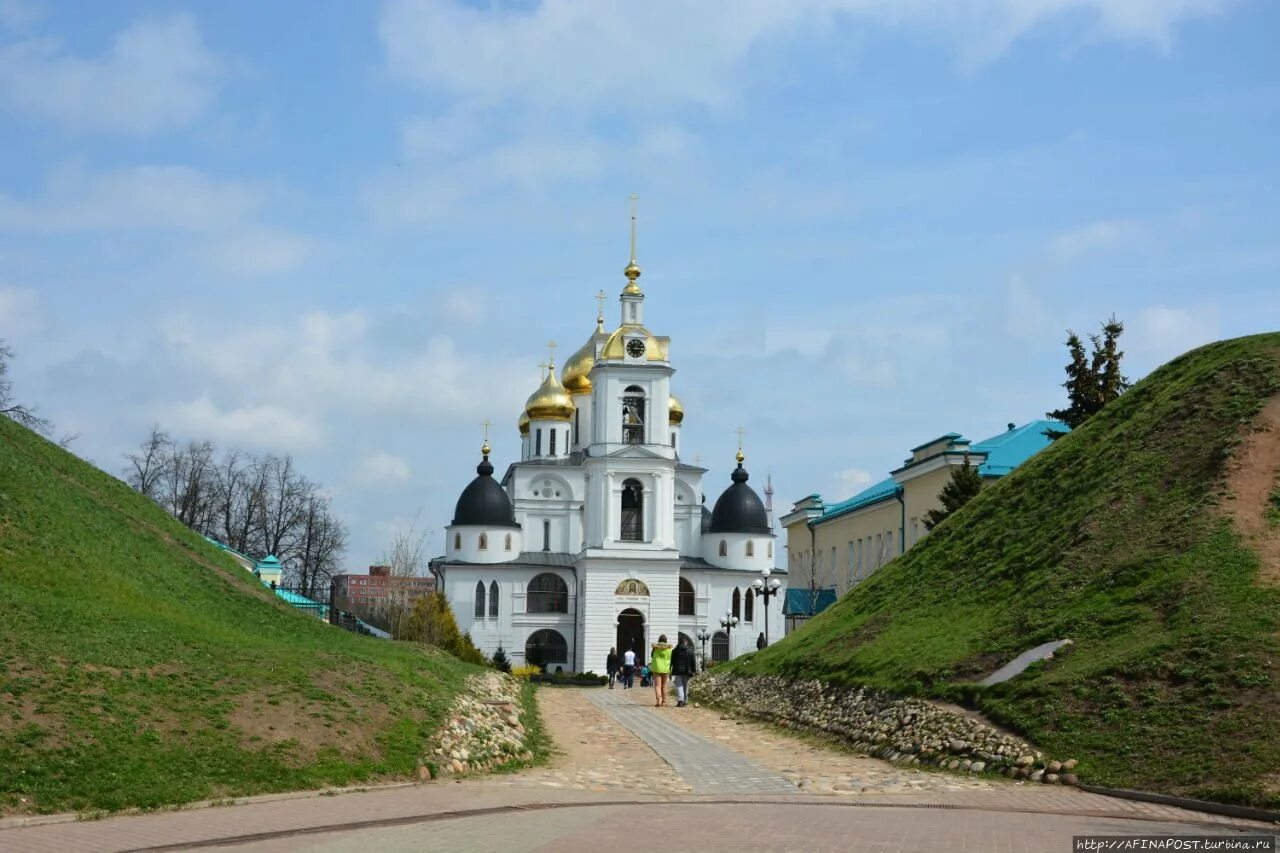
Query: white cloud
point(254, 426)
point(1098, 237)
point(19, 311)
point(381, 470)
point(258, 251)
point(563, 53)
point(158, 75)
point(1162, 332)
point(852, 481)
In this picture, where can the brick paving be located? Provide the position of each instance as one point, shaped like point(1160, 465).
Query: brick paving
point(707, 767)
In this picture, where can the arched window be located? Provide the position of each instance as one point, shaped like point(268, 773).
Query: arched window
point(751, 548)
point(547, 593)
point(737, 602)
point(633, 415)
point(724, 548)
point(457, 541)
point(508, 541)
point(686, 598)
point(720, 646)
point(632, 511)
point(749, 610)
point(493, 600)
point(770, 550)
point(484, 541)
point(546, 647)
point(479, 600)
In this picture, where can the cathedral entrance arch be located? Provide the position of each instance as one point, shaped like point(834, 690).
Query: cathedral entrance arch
point(631, 634)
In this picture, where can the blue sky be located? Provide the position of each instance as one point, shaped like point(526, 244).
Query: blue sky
point(346, 230)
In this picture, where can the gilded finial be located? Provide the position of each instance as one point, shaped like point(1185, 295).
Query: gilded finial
point(551, 355)
point(484, 448)
point(740, 457)
point(632, 272)
point(600, 298)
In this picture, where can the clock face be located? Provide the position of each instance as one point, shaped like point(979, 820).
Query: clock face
point(635, 348)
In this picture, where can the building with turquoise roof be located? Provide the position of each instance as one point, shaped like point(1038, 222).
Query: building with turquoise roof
point(833, 547)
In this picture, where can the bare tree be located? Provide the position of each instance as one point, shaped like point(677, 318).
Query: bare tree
point(151, 463)
point(406, 558)
point(283, 507)
point(11, 408)
point(321, 541)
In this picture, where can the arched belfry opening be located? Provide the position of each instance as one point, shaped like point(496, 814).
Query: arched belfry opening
point(633, 415)
point(632, 511)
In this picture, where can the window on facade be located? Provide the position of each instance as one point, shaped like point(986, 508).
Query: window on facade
point(720, 647)
point(493, 600)
point(479, 611)
point(552, 448)
point(547, 593)
point(749, 609)
point(546, 535)
point(770, 550)
point(537, 446)
point(546, 647)
point(457, 541)
point(673, 439)
point(508, 542)
point(633, 415)
point(724, 548)
point(577, 421)
point(484, 541)
point(686, 598)
point(737, 603)
point(751, 548)
point(632, 511)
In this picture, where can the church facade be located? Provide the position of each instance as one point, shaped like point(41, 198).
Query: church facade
point(598, 537)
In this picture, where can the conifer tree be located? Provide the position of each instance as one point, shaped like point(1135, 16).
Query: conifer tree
point(1093, 380)
point(965, 482)
point(500, 661)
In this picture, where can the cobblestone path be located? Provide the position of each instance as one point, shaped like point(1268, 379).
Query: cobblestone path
point(706, 766)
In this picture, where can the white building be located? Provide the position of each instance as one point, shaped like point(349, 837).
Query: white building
point(598, 536)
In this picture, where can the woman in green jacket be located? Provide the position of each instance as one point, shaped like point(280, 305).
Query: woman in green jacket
point(660, 666)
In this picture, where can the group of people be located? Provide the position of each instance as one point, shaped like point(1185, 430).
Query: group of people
point(678, 663)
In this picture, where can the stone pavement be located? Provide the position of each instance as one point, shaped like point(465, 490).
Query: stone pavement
point(707, 767)
point(608, 787)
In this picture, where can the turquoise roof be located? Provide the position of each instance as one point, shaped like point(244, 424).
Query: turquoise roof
point(1004, 452)
point(269, 562)
point(950, 437)
point(1011, 448)
point(806, 602)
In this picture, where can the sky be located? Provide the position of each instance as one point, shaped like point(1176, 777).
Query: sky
point(347, 230)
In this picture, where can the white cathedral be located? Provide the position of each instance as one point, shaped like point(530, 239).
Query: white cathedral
point(598, 536)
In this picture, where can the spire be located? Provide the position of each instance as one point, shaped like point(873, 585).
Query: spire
point(632, 271)
point(739, 456)
point(551, 356)
point(600, 298)
point(484, 448)
point(768, 498)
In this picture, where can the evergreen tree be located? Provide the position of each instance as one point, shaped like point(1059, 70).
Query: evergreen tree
point(431, 621)
point(1093, 380)
point(965, 482)
point(500, 661)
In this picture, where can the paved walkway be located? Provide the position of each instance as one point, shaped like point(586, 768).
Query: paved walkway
point(607, 787)
point(707, 767)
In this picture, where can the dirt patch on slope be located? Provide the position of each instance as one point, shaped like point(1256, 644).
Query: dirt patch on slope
point(1253, 480)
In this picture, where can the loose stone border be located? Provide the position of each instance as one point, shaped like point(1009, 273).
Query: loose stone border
point(483, 729)
point(901, 730)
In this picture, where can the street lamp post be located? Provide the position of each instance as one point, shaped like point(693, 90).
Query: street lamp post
point(729, 622)
point(703, 636)
point(766, 588)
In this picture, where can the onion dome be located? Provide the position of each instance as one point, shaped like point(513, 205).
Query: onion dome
point(577, 370)
point(675, 411)
point(739, 510)
point(523, 423)
point(484, 503)
point(550, 402)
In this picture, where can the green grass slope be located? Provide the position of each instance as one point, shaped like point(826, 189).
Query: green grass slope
point(139, 666)
point(1116, 538)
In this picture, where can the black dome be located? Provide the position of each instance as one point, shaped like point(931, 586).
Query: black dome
point(739, 509)
point(483, 502)
point(706, 519)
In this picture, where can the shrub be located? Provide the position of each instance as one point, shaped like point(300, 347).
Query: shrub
point(500, 661)
point(431, 621)
point(526, 671)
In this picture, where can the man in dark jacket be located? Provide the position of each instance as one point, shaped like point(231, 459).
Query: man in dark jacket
point(611, 666)
point(684, 665)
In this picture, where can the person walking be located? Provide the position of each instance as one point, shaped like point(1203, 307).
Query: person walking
point(684, 665)
point(611, 666)
point(628, 668)
point(660, 668)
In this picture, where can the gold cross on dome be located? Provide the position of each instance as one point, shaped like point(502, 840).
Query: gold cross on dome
point(542, 370)
point(739, 431)
point(600, 297)
point(551, 353)
point(486, 423)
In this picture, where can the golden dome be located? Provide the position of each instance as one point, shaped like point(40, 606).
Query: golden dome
point(675, 411)
point(655, 348)
point(577, 370)
point(550, 402)
point(523, 423)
